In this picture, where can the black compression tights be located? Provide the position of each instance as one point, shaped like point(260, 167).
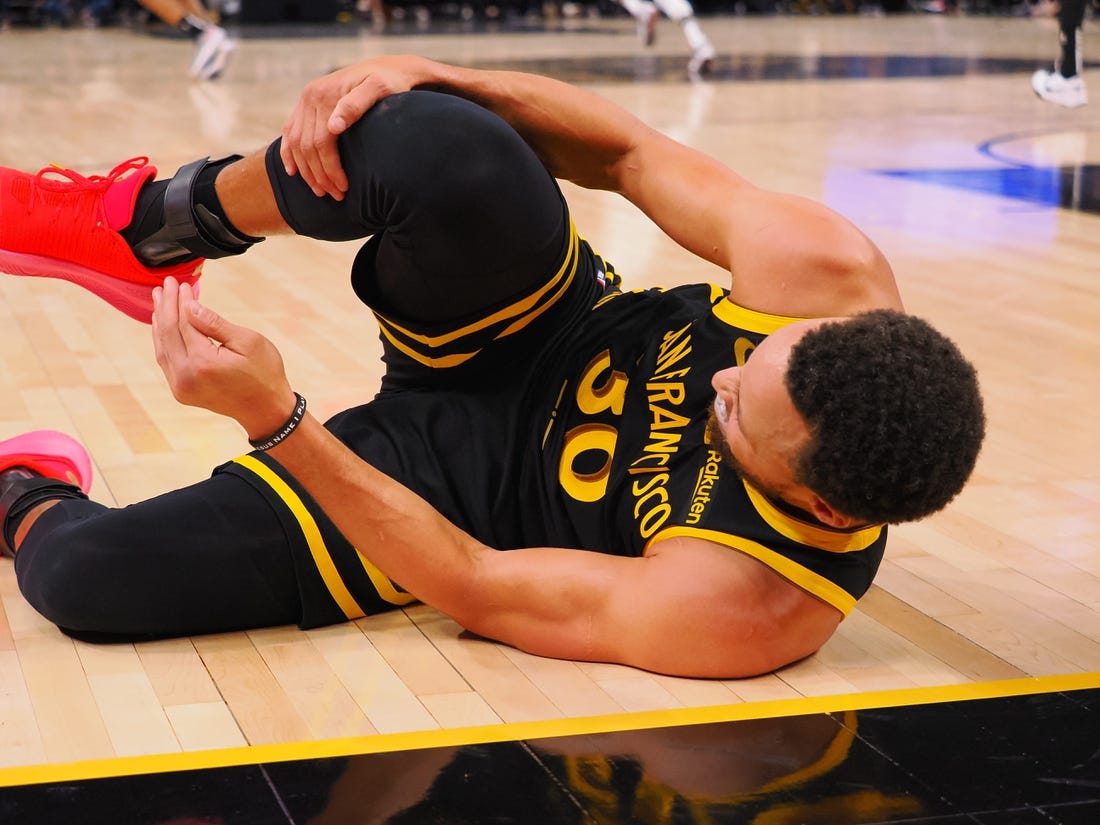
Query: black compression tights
point(204, 559)
point(464, 214)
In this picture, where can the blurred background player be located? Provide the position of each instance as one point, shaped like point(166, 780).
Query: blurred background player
point(213, 45)
point(682, 12)
point(1065, 86)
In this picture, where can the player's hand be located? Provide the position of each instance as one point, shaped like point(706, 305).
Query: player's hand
point(212, 363)
point(329, 105)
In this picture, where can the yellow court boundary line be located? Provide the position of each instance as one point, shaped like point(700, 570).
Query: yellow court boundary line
point(506, 732)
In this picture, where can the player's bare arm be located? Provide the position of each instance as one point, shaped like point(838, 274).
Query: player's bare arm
point(688, 608)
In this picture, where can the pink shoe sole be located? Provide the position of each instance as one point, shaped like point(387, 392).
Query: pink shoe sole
point(135, 300)
point(50, 453)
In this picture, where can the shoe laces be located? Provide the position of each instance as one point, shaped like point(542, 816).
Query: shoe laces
point(70, 181)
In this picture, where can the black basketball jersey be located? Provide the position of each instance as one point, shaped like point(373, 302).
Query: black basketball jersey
point(580, 427)
point(625, 460)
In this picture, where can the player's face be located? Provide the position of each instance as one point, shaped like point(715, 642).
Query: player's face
point(755, 424)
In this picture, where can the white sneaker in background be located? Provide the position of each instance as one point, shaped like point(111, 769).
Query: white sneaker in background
point(212, 50)
point(702, 61)
point(1064, 91)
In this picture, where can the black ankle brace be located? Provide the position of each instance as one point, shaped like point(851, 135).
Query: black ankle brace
point(192, 226)
point(19, 494)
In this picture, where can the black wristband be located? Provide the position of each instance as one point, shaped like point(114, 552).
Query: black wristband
point(287, 428)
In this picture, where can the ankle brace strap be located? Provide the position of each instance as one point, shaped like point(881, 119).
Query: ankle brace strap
point(24, 494)
point(191, 228)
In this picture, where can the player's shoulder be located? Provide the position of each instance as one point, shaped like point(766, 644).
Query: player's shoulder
point(811, 262)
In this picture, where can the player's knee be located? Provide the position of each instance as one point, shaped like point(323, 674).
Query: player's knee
point(53, 587)
point(63, 573)
point(419, 123)
point(429, 145)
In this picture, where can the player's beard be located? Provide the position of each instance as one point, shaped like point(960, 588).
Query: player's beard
point(716, 439)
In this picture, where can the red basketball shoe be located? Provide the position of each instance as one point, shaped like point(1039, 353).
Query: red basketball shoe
point(51, 454)
point(30, 467)
point(60, 224)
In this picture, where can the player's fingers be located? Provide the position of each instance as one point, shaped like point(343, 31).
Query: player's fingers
point(168, 344)
point(292, 130)
point(335, 182)
point(213, 328)
point(309, 153)
point(354, 104)
point(195, 337)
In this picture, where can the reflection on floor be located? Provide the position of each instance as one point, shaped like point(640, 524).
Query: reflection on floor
point(1011, 760)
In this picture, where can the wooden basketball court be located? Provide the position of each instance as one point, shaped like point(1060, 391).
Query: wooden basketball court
point(923, 130)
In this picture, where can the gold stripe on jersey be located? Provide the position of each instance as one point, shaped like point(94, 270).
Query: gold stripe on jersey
point(314, 540)
point(443, 362)
point(566, 271)
point(750, 320)
point(384, 585)
point(511, 319)
point(808, 580)
point(812, 535)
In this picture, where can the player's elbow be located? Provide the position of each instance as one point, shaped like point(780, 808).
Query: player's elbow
point(770, 641)
point(794, 645)
point(801, 632)
point(854, 270)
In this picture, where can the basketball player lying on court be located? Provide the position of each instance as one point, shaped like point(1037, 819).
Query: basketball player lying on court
point(695, 481)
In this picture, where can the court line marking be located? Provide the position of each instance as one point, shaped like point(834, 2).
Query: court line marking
point(511, 731)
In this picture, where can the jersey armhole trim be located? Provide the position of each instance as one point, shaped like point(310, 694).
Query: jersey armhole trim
point(751, 320)
point(811, 535)
point(811, 582)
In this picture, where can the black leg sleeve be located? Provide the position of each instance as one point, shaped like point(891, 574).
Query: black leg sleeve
point(208, 558)
point(464, 214)
point(1071, 15)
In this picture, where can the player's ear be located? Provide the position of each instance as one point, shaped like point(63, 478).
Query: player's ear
point(827, 514)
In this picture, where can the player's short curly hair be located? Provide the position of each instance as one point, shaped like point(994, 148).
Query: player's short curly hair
point(895, 415)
